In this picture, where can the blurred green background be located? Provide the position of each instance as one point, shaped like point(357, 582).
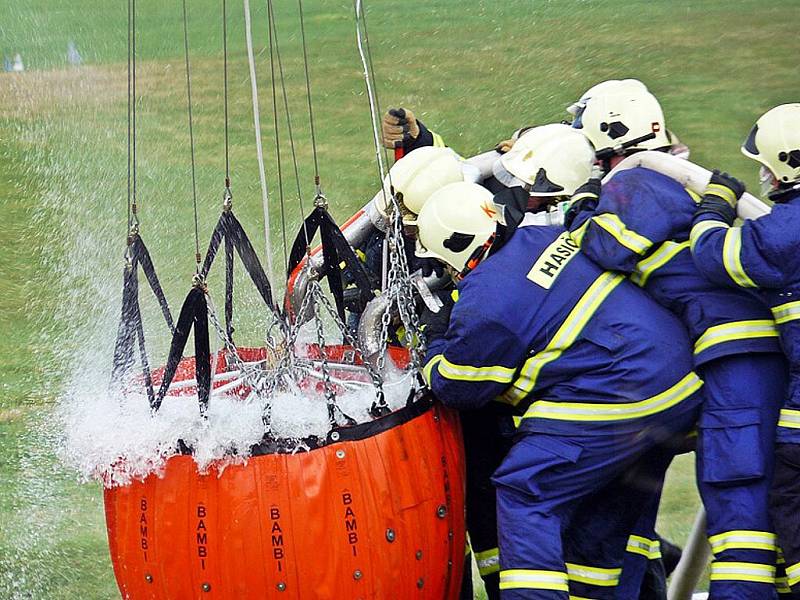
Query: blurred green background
point(472, 71)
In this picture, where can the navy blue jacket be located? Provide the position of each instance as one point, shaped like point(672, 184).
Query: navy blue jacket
point(573, 347)
point(641, 227)
point(763, 253)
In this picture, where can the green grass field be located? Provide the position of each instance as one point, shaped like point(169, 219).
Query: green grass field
point(473, 71)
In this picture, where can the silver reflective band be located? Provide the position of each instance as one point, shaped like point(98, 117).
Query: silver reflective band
point(786, 312)
point(575, 411)
point(490, 564)
point(737, 330)
point(593, 575)
point(701, 228)
point(533, 579)
point(789, 418)
point(644, 546)
point(742, 539)
point(742, 571)
point(565, 336)
point(793, 573)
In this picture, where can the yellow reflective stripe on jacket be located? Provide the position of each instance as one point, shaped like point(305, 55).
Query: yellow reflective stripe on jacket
point(427, 370)
point(793, 573)
point(694, 195)
point(456, 372)
point(742, 571)
point(702, 227)
point(651, 549)
point(782, 584)
point(438, 141)
point(533, 579)
point(732, 258)
point(735, 330)
point(789, 418)
point(646, 267)
point(580, 411)
point(742, 539)
point(565, 336)
point(488, 561)
point(721, 191)
point(577, 235)
point(627, 237)
point(593, 575)
point(786, 312)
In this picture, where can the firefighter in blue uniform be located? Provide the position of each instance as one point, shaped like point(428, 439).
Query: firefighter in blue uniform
point(601, 376)
point(639, 224)
point(763, 254)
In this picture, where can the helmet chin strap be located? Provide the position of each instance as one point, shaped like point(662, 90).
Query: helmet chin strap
point(780, 194)
point(476, 257)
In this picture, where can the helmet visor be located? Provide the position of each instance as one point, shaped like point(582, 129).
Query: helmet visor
point(749, 145)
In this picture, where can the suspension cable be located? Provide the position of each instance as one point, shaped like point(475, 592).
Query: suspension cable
point(308, 96)
point(130, 19)
point(225, 95)
point(371, 63)
point(289, 128)
point(276, 124)
point(133, 218)
point(191, 134)
point(259, 148)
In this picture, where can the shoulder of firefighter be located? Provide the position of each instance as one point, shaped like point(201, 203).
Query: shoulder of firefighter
point(566, 343)
point(761, 253)
point(637, 209)
point(641, 227)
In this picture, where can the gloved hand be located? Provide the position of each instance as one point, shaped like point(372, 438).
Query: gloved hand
point(399, 126)
point(720, 198)
point(431, 266)
point(585, 198)
point(505, 145)
point(434, 324)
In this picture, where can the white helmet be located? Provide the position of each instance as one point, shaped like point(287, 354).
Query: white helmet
point(420, 173)
point(774, 141)
point(455, 221)
point(619, 112)
point(610, 86)
point(553, 160)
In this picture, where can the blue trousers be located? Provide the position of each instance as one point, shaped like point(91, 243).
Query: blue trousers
point(735, 462)
point(546, 478)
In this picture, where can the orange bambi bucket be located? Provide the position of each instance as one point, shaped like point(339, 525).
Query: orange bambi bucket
point(374, 511)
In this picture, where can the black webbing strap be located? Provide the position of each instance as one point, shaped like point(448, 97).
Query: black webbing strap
point(229, 228)
point(194, 315)
point(142, 257)
point(229, 287)
point(131, 330)
point(335, 250)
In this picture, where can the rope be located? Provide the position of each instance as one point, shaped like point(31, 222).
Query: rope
point(191, 133)
point(308, 96)
point(259, 148)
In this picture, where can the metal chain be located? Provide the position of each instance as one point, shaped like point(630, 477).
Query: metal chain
point(334, 412)
point(375, 375)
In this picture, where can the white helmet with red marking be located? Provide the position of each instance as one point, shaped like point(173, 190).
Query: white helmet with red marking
point(454, 222)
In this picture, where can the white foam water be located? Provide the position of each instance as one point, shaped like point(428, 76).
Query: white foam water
point(114, 437)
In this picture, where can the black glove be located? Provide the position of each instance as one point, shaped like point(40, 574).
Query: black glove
point(431, 266)
point(434, 324)
point(720, 198)
point(585, 198)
